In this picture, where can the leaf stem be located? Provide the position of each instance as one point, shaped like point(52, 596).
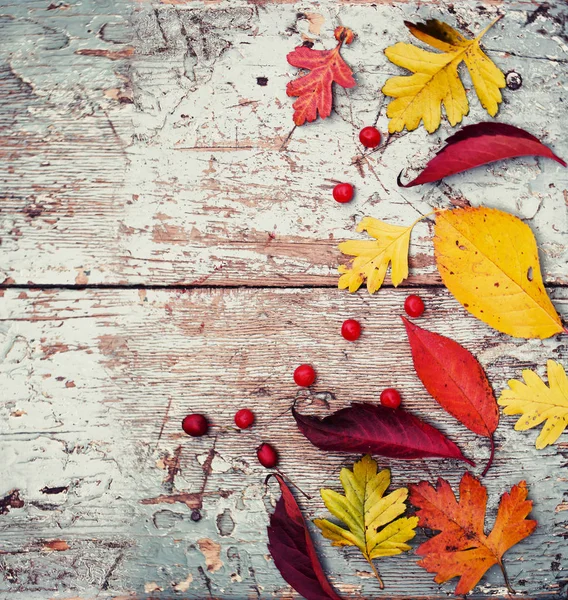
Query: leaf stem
point(432, 212)
point(293, 484)
point(490, 461)
point(489, 27)
point(381, 584)
point(507, 583)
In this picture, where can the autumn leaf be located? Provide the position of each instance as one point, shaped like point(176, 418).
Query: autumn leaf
point(292, 549)
point(480, 144)
point(314, 90)
point(372, 258)
point(365, 427)
point(456, 380)
point(488, 259)
point(435, 80)
point(538, 402)
point(371, 518)
point(462, 549)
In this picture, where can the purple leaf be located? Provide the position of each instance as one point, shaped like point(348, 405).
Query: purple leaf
point(372, 429)
point(292, 549)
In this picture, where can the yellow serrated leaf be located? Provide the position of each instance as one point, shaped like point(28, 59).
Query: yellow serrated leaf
point(372, 258)
point(435, 80)
point(488, 259)
point(371, 518)
point(538, 402)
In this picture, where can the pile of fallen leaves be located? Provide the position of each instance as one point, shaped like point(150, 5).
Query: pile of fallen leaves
point(488, 259)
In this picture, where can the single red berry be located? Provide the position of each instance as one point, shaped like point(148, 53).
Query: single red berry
point(414, 306)
point(390, 398)
point(351, 330)
point(267, 456)
point(304, 375)
point(244, 418)
point(343, 192)
point(195, 425)
point(370, 137)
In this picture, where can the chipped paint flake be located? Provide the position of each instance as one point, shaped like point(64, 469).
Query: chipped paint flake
point(152, 586)
point(211, 551)
point(184, 585)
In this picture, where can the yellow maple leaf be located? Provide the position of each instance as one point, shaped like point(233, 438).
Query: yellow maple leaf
point(372, 258)
point(488, 259)
point(370, 516)
point(435, 80)
point(538, 402)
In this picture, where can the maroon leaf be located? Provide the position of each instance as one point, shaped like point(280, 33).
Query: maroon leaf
point(372, 429)
point(454, 377)
point(292, 549)
point(479, 144)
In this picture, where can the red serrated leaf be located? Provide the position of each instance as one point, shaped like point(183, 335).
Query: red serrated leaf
point(480, 144)
point(292, 549)
point(454, 377)
point(373, 429)
point(462, 549)
point(314, 90)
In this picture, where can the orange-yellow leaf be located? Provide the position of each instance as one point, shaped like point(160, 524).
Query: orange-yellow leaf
point(488, 259)
point(314, 90)
point(435, 80)
point(372, 258)
point(538, 402)
point(462, 549)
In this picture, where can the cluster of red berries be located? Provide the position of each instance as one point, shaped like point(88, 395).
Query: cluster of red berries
point(196, 425)
point(305, 375)
point(370, 137)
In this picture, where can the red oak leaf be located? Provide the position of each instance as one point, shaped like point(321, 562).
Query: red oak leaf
point(292, 549)
point(314, 89)
point(454, 377)
point(477, 145)
point(462, 549)
point(374, 429)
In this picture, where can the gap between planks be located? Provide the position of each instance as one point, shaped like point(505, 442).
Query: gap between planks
point(183, 286)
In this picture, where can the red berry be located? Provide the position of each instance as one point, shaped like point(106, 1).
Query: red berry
point(370, 137)
point(244, 418)
point(267, 456)
point(351, 330)
point(195, 425)
point(390, 398)
point(304, 375)
point(343, 192)
point(414, 306)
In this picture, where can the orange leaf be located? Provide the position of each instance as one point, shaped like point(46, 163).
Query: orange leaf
point(462, 549)
point(314, 89)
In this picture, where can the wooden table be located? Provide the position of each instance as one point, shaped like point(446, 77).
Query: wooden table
point(168, 246)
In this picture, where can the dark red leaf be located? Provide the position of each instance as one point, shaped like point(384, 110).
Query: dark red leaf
point(372, 429)
point(292, 549)
point(454, 377)
point(479, 144)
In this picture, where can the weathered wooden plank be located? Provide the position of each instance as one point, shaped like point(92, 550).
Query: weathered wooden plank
point(177, 163)
point(96, 382)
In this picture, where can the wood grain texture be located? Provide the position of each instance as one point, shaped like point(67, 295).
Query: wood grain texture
point(149, 145)
point(143, 145)
point(96, 383)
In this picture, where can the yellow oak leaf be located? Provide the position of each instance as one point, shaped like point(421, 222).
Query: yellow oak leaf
point(372, 258)
point(488, 260)
point(435, 80)
point(538, 402)
point(370, 516)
